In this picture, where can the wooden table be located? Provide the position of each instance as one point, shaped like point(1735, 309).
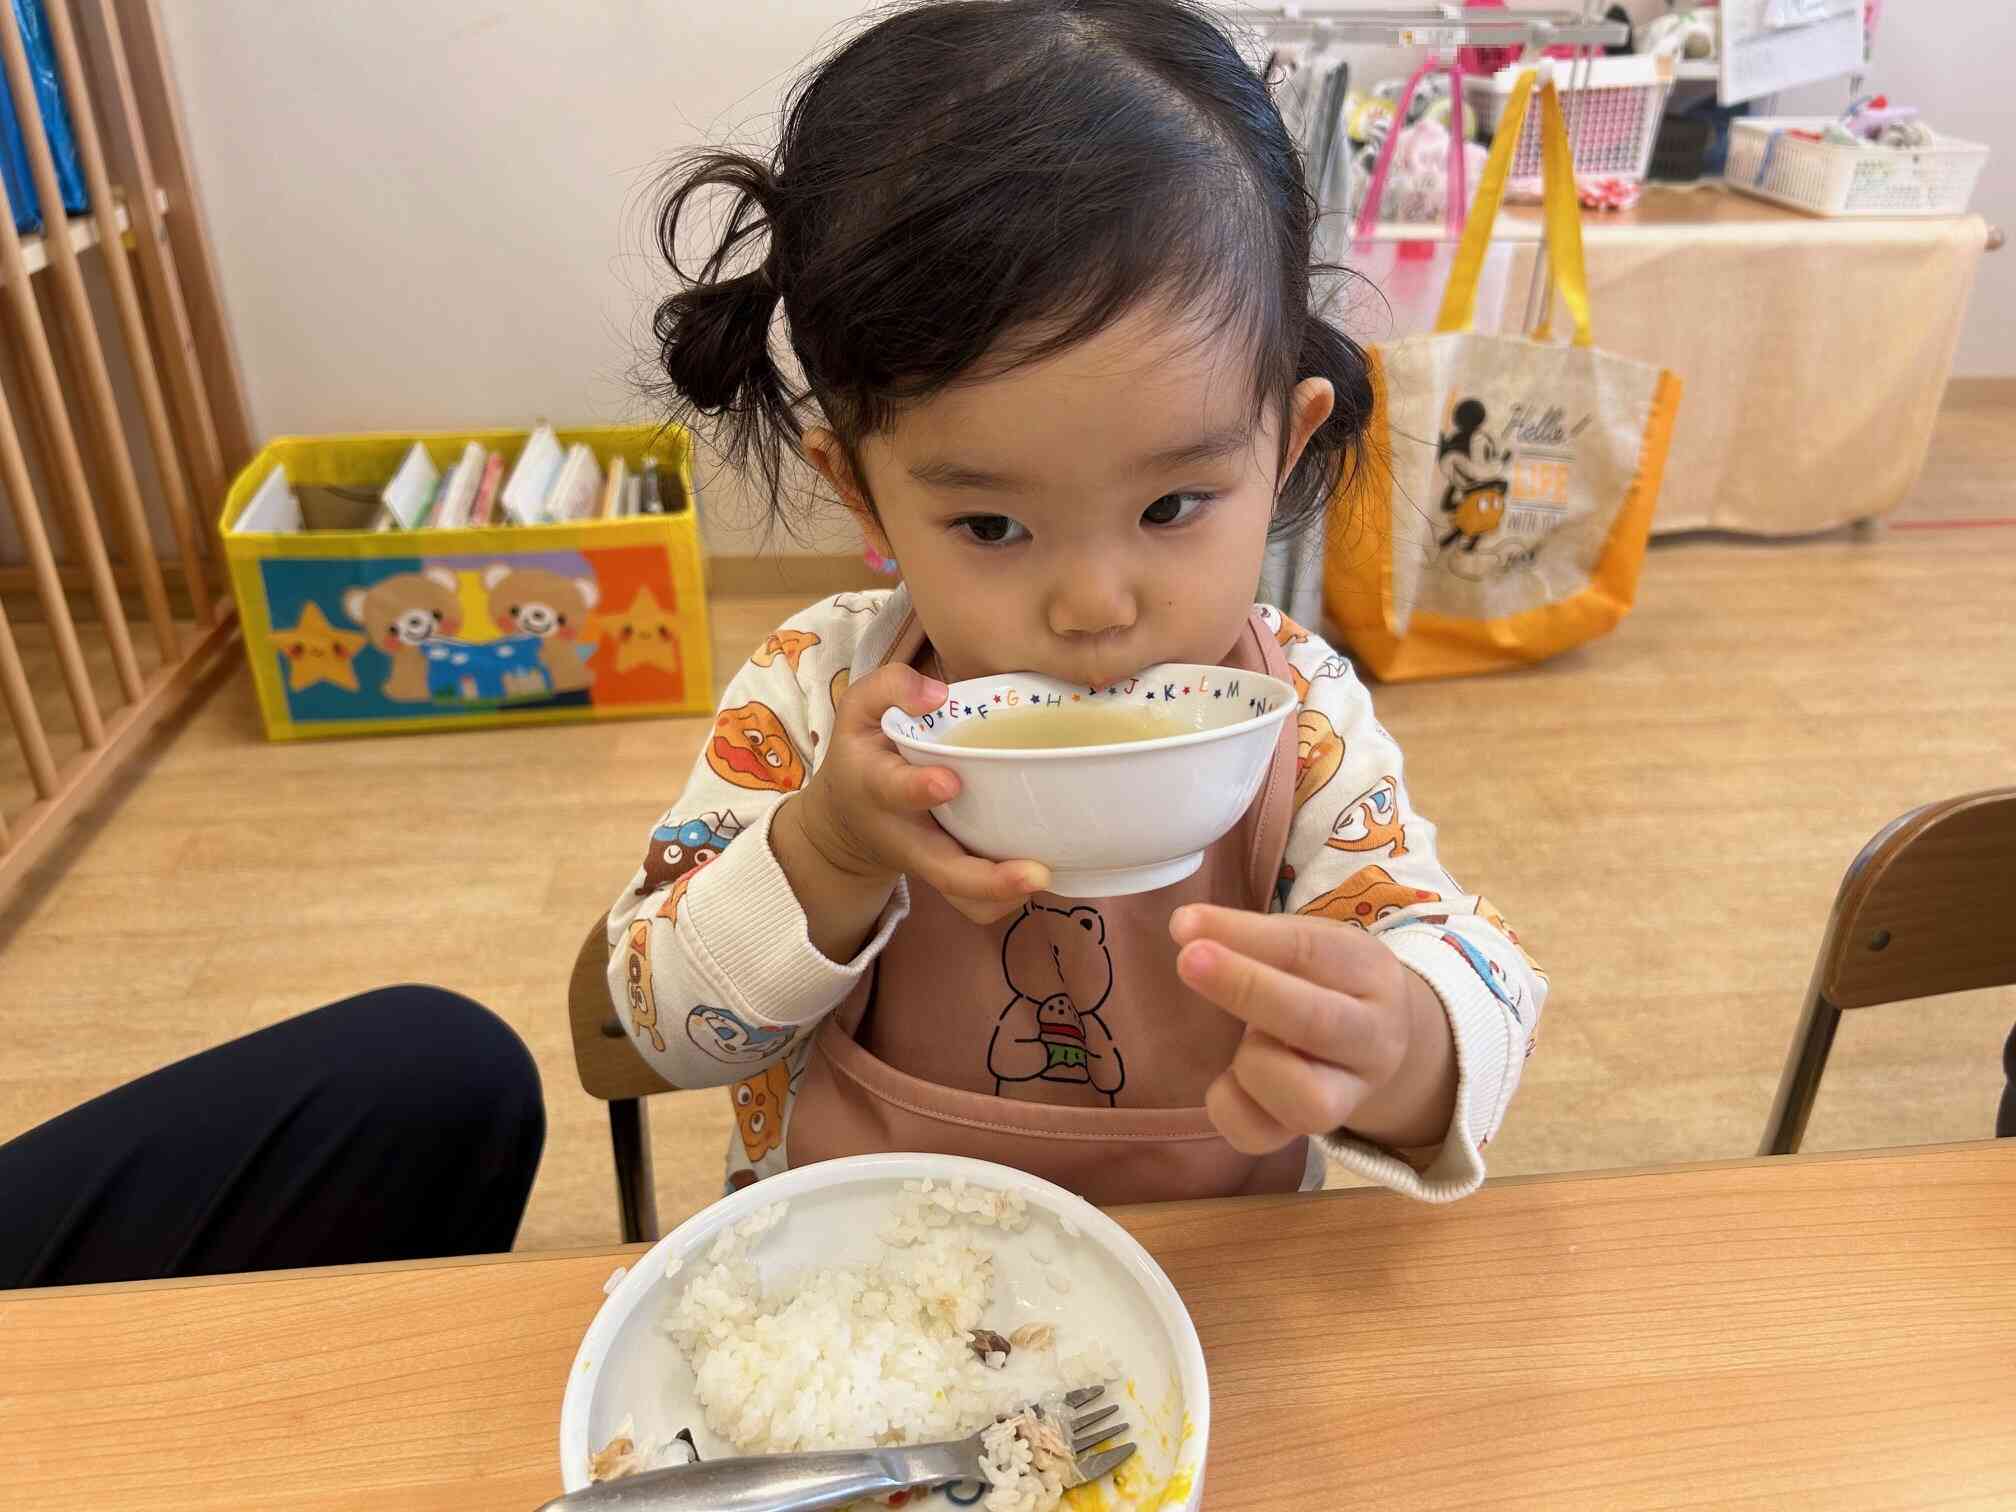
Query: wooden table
point(1820, 1330)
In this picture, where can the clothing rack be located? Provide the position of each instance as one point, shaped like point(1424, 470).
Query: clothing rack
point(1291, 575)
point(1436, 26)
point(1456, 26)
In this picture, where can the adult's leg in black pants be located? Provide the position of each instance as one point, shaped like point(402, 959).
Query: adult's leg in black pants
point(2005, 1120)
point(402, 1124)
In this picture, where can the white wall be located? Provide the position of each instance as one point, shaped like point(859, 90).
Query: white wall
point(433, 214)
point(437, 214)
point(1952, 59)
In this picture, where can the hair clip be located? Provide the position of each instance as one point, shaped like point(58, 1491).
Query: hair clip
point(885, 565)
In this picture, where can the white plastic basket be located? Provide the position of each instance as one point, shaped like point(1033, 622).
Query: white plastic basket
point(1832, 178)
point(1613, 117)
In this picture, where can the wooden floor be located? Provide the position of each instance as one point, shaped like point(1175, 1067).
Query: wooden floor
point(1664, 815)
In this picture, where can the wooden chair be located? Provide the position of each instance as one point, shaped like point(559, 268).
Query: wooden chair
point(1929, 907)
point(610, 1068)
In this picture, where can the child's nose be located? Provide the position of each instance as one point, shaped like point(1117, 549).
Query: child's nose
point(1091, 603)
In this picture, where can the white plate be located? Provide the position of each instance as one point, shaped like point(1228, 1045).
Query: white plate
point(628, 1368)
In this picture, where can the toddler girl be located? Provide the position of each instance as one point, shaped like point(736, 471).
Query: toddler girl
point(1044, 266)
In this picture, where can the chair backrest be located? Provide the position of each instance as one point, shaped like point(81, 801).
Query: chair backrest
point(608, 1064)
point(1929, 906)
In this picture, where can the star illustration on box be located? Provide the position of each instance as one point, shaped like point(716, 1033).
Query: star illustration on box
point(390, 638)
point(317, 652)
point(646, 634)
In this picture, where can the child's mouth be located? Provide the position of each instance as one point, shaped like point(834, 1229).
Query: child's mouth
point(1101, 683)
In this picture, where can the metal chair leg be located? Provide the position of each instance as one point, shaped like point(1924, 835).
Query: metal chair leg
point(1801, 1079)
point(636, 1194)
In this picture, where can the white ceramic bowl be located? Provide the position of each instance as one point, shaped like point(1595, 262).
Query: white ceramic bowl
point(1107, 819)
point(628, 1368)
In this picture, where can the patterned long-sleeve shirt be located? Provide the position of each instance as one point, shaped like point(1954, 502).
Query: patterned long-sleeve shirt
point(713, 970)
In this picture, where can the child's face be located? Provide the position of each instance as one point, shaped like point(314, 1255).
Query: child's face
point(1086, 515)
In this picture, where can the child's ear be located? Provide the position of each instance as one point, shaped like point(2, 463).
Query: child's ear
point(1308, 407)
point(824, 451)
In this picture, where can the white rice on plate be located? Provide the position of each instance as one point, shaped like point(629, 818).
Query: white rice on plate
point(844, 1357)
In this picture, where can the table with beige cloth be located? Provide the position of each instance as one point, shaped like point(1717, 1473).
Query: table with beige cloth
point(1814, 355)
point(1814, 352)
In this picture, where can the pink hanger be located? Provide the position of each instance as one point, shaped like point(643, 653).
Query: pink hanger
point(1456, 211)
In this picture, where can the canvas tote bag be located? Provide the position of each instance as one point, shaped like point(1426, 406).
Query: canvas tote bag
point(1394, 287)
point(1501, 511)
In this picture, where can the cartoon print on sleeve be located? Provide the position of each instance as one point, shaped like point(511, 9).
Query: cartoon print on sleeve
point(637, 984)
point(789, 644)
point(679, 850)
point(1488, 912)
point(1371, 822)
point(1318, 754)
point(759, 1110)
point(751, 749)
point(1492, 974)
point(554, 607)
point(1366, 897)
point(731, 1039)
point(1061, 974)
point(1331, 666)
point(1288, 634)
point(399, 616)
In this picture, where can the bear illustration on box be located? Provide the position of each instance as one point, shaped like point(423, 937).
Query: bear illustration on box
point(554, 608)
point(401, 615)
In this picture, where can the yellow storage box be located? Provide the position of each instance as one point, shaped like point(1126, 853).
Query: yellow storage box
point(362, 632)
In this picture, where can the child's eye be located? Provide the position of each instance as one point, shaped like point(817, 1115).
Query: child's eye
point(1174, 509)
point(991, 530)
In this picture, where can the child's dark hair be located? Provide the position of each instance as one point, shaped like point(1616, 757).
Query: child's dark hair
point(966, 171)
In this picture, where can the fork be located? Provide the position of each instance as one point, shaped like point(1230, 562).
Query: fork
point(808, 1482)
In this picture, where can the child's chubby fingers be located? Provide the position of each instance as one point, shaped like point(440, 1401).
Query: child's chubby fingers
point(1330, 1026)
point(902, 788)
point(1247, 1127)
point(1303, 1095)
point(982, 890)
point(893, 687)
point(1317, 950)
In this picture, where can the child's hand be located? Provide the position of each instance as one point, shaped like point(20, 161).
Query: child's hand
point(1338, 1032)
point(867, 811)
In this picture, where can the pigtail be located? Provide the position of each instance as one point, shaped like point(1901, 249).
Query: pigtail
point(969, 181)
point(713, 335)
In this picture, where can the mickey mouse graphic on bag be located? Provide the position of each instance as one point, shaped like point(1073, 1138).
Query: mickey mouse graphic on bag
point(1475, 468)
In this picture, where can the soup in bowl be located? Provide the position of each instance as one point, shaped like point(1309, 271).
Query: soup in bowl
point(1117, 790)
